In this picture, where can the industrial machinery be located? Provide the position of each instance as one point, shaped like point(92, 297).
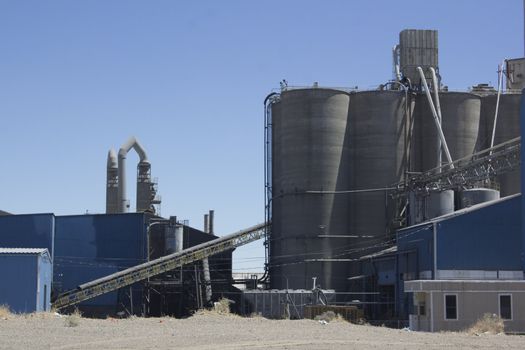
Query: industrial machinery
point(158, 266)
point(345, 168)
point(116, 198)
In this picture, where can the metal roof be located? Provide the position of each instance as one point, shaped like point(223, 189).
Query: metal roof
point(384, 252)
point(24, 251)
point(461, 212)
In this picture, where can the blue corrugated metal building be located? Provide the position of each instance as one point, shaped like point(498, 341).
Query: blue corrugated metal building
point(26, 279)
point(93, 246)
point(483, 242)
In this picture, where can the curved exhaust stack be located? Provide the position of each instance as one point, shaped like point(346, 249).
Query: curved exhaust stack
point(112, 183)
point(116, 199)
point(122, 153)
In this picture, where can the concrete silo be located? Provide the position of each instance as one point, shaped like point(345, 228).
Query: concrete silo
point(461, 119)
point(379, 142)
point(507, 128)
point(310, 152)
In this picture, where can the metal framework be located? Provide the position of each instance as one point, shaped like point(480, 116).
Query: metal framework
point(468, 171)
point(158, 266)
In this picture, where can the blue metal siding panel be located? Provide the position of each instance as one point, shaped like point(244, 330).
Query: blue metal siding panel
point(92, 246)
point(27, 231)
point(19, 282)
point(522, 124)
point(485, 239)
point(421, 240)
point(45, 276)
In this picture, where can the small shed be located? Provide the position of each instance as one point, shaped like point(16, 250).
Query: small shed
point(26, 279)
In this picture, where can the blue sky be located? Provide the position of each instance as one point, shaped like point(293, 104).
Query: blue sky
point(188, 78)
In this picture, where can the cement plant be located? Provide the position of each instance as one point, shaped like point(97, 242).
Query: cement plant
point(398, 206)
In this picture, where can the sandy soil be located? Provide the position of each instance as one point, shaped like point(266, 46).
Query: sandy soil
point(210, 331)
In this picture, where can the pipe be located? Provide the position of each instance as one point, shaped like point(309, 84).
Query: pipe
point(210, 222)
point(112, 159)
point(500, 86)
point(438, 109)
point(126, 147)
point(207, 280)
point(206, 223)
point(436, 120)
point(179, 238)
point(395, 54)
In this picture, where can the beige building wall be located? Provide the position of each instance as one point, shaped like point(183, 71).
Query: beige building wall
point(474, 299)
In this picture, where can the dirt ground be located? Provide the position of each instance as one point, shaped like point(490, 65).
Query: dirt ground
point(212, 331)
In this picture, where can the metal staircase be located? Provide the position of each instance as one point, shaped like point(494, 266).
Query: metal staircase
point(158, 266)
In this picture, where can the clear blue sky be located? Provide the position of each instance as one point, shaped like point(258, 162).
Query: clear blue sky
point(188, 78)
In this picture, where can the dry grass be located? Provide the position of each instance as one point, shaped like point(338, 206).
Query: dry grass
point(488, 324)
point(330, 316)
point(222, 308)
point(73, 320)
point(41, 315)
point(5, 313)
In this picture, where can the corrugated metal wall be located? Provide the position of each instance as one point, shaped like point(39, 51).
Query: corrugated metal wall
point(484, 239)
point(27, 231)
point(92, 246)
point(19, 282)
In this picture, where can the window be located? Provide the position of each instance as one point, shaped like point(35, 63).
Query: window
point(505, 306)
point(451, 307)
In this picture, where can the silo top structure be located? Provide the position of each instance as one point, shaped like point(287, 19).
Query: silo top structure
point(418, 48)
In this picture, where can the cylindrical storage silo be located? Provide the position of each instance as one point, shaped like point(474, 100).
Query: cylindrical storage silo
point(439, 203)
point(309, 153)
point(379, 134)
point(426, 207)
point(507, 128)
point(473, 196)
point(460, 122)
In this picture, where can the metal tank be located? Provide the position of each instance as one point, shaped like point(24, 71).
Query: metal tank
point(461, 119)
point(432, 205)
point(473, 196)
point(379, 144)
point(507, 128)
point(310, 152)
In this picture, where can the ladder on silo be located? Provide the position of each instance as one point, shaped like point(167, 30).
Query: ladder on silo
point(158, 266)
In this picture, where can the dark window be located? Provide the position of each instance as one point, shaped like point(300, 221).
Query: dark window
point(505, 307)
point(422, 309)
point(451, 307)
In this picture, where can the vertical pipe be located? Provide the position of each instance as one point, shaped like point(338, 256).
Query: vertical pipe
point(210, 223)
point(207, 279)
point(500, 83)
point(122, 182)
point(434, 114)
point(206, 222)
point(438, 109)
point(179, 238)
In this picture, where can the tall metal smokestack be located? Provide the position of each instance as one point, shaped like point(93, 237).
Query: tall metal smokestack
point(210, 222)
point(206, 223)
point(112, 183)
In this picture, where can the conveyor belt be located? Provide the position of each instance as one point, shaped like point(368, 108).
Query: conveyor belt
point(158, 266)
point(467, 171)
